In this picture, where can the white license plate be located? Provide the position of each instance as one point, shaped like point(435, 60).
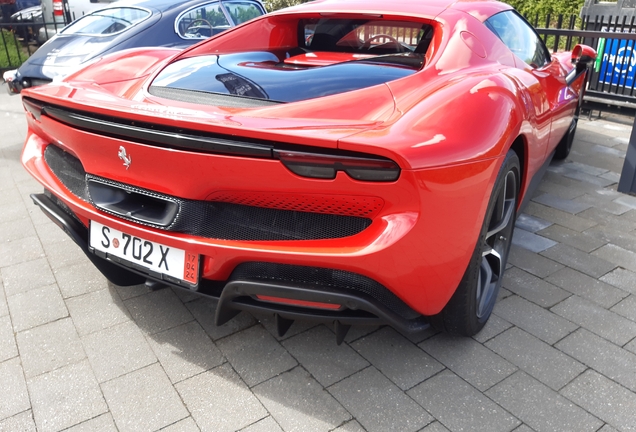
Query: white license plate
point(153, 256)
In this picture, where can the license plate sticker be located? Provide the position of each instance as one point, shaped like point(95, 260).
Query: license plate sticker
point(153, 256)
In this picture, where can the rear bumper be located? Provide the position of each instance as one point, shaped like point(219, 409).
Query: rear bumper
point(13, 83)
point(417, 246)
point(16, 82)
point(243, 293)
point(62, 217)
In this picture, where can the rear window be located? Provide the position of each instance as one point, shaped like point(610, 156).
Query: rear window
point(107, 22)
point(241, 11)
point(364, 36)
point(202, 21)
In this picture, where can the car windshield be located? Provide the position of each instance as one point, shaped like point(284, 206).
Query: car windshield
point(242, 11)
point(363, 36)
point(107, 21)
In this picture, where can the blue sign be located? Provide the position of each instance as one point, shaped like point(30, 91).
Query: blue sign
point(618, 64)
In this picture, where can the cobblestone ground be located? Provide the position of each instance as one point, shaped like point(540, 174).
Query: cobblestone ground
point(559, 353)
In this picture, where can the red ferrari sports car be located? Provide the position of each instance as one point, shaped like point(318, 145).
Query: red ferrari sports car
point(347, 161)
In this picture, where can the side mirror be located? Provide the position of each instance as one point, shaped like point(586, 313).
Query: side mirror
point(582, 57)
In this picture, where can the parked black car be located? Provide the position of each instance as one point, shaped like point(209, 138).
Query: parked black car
point(168, 23)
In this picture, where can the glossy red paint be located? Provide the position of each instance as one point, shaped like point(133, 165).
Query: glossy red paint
point(123, 66)
point(448, 126)
point(582, 53)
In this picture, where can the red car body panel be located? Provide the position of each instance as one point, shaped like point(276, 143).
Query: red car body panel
point(424, 225)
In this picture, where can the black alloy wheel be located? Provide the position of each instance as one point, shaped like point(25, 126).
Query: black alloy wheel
point(562, 150)
point(496, 245)
point(565, 145)
point(472, 303)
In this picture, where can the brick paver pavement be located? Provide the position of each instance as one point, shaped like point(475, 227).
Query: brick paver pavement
point(559, 353)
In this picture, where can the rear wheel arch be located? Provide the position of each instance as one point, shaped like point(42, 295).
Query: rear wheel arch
point(520, 147)
point(471, 304)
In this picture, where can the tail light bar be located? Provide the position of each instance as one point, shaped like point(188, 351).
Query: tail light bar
point(58, 8)
point(316, 165)
point(324, 166)
point(33, 107)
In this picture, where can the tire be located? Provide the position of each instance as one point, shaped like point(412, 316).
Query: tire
point(472, 303)
point(565, 145)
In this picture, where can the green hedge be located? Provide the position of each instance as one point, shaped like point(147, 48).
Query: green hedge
point(532, 8)
point(529, 8)
point(539, 10)
point(8, 45)
point(272, 5)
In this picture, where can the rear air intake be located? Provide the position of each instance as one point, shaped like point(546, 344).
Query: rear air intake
point(68, 170)
point(208, 219)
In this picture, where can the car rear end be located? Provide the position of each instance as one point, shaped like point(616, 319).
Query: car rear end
point(243, 215)
point(253, 200)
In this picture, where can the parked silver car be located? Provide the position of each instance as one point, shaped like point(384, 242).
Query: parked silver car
point(123, 25)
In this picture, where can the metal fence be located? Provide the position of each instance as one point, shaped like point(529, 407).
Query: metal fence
point(613, 78)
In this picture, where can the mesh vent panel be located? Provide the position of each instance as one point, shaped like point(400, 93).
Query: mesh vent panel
point(328, 204)
point(240, 222)
point(68, 170)
point(227, 221)
point(323, 277)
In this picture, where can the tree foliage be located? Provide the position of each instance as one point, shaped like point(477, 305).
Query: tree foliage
point(537, 11)
point(542, 8)
point(240, 14)
point(528, 8)
point(272, 5)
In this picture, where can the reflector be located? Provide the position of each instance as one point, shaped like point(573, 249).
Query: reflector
point(295, 302)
